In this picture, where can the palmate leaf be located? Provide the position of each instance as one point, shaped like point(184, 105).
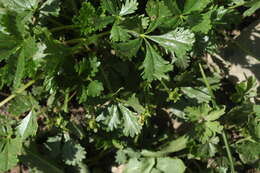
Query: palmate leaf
point(8, 154)
point(204, 112)
point(208, 149)
point(129, 7)
point(154, 65)
point(94, 88)
point(206, 117)
point(178, 41)
point(28, 126)
point(89, 20)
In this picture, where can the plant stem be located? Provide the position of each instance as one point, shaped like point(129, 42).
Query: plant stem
point(213, 99)
point(76, 40)
point(215, 106)
point(65, 27)
point(87, 41)
point(20, 90)
point(228, 152)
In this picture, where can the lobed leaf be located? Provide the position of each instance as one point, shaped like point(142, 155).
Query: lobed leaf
point(129, 7)
point(132, 126)
point(155, 67)
point(178, 41)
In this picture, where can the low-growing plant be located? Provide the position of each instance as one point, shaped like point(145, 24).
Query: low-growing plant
point(91, 85)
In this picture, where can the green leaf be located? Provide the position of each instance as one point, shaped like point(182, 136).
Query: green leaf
point(90, 20)
point(21, 104)
point(8, 154)
point(37, 162)
point(170, 165)
point(130, 48)
point(95, 88)
point(204, 112)
point(145, 165)
point(254, 129)
point(201, 94)
point(28, 126)
point(120, 117)
point(21, 5)
point(114, 120)
point(155, 170)
point(257, 110)
point(158, 12)
point(208, 149)
point(170, 147)
point(73, 153)
point(154, 65)
point(94, 64)
point(245, 90)
point(20, 68)
point(177, 42)
point(254, 5)
point(200, 22)
point(110, 6)
point(132, 126)
point(50, 7)
point(129, 7)
point(195, 5)
point(119, 34)
point(8, 45)
point(173, 6)
point(28, 49)
point(205, 117)
point(121, 157)
point(135, 104)
point(249, 152)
